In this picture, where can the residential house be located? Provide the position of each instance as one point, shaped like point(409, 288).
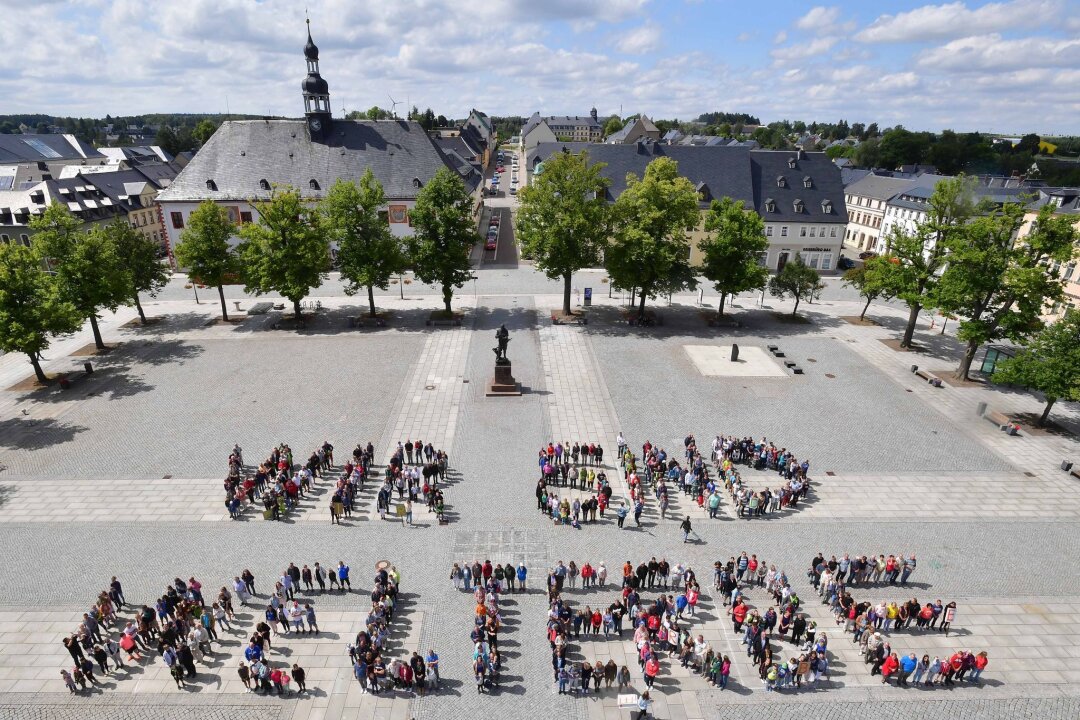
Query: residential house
point(640, 128)
point(560, 128)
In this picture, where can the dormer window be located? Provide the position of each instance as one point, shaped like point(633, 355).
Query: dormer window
point(791, 163)
point(416, 182)
point(703, 192)
point(807, 182)
point(313, 184)
point(826, 207)
point(798, 205)
point(781, 181)
point(264, 184)
point(211, 185)
point(770, 205)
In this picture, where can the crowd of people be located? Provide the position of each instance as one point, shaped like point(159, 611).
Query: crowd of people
point(577, 467)
point(279, 483)
point(729, 452)
point(487, 624)
point(469, 576)
point(414, 471)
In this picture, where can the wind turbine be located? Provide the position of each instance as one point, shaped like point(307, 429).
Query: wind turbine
point(393, 106)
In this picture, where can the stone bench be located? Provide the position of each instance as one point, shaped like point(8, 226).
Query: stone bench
point(926, 375)
point(260, 308)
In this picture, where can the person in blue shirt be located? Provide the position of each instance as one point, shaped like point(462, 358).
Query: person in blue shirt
point(522, 573)
point(908, 663)
point(343, 575)
point(432, 661)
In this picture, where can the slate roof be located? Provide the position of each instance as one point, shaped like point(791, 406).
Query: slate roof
point(879, 187)
point(32, 148)
point(825, 185)
point(723, 170)
point(244, 152)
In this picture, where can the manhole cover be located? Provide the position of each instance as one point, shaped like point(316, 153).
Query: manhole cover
point(830, 376)
point(429, 387)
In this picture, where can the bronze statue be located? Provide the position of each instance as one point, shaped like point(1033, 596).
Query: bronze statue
point(502, 335)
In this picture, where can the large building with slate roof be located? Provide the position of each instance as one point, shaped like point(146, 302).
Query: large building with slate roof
point(798, 194)
point(245, 160)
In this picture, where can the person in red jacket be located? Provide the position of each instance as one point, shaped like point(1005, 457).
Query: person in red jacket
point(956, 664)
point(738, 615)
point(652, 669)
point(981, 661)
point(889, 667)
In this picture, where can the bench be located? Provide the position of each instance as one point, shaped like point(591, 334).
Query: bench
point(796, 370)
point(260, 308)
point(789, 363)
point(1075, 472)
point(929, 377)
point(777, 353)
point(772, 348)
point(999, 419)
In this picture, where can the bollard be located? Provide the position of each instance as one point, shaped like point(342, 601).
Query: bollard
point(1066, 465)
point(914, 368)
point(88, 367)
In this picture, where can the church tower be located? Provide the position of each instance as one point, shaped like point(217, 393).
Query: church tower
point(316, 92)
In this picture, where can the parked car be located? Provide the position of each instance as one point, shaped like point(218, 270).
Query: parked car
point(490, 244)
point(845, 263)
point(867, 255)
point(513, 191)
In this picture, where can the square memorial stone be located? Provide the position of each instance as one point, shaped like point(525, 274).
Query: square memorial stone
point(715, 361)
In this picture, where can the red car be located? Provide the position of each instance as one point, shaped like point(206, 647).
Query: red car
point(490, 244)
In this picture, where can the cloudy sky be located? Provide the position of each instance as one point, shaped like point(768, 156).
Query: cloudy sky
point(1011, 66)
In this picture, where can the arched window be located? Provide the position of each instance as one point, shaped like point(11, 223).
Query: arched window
point(313, 184)
point(264, 184)
point(211, 185)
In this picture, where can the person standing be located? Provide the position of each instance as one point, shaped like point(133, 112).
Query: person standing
point(343, 575)
point(299, 676)
point(643, 706)
point(686, 529)
point(433, 667)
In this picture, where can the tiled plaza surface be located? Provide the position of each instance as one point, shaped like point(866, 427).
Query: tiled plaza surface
point(121, 476)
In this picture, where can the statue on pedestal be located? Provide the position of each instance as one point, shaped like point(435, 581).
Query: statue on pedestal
point(502, 336)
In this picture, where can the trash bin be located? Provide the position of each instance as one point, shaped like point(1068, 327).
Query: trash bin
point(588, 297)
point(1066, 465)
point(980, 409)
point(914, 368)
point(88, 367)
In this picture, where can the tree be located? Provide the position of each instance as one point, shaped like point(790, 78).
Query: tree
point(87, 265)
point(444, 233)
point(735, 238)
point(32, 308)
point(649, 246)
point(139, 256)
point(613, 125)
point(868, 153)
point(873, 280)
point(1049, 364)
point(798, 280)
point(285, 251)
point(563, 221)
point(917, 258)
point(998, 281)
point(166, 140)
point(203, 131)
point(368, 253)
point(204, 248)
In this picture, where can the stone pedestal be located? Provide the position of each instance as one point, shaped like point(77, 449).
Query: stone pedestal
point(503, 384)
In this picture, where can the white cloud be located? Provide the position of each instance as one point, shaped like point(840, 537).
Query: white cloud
point(781, 38)
point(803, 51)
point(819, 18)
point(991, 52)
point(745, 37)
point(638, 41)
point(934, 22)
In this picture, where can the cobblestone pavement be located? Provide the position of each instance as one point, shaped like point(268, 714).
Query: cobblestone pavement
point(914, 473)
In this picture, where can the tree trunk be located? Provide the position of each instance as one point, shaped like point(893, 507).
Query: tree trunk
point(1046, 410)
point(371, 299)
point(296, 309)
point(138, 306)
point(796, 308)
point(967, 359)
point(641, 306)
point(862, 315)
point(632, 296)
point(720, 307)
point(567, 280)
point(447, 296)
point(37, 368)
point(224, 312)
point(98, 342)
point(913, 318)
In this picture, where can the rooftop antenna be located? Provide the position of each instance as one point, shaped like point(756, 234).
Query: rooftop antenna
point(393, 106)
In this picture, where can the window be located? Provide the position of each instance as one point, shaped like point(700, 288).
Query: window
point(791, 163)
point(807, 182)
point(802, 231)
point(211, 185)
point(155, 236)
point(832, 232)
point(783, 231)
point(4, 238)
point(813, 232)
point(798, 205)
point(25, 239)
point(822, 232)
point(245, 217)
point(812, 260)
point(177, 220)
point(826, 261)
point(264, 184)
point(763, 259)
point(313, 184)
point(781, 181)
point(768, 231)
point(770, 205)
point(1068, 268)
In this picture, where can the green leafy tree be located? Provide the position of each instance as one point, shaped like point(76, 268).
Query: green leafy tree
point(285, 251)
point(613, 125)
point(736, 237)
point(32, 308)
point(139, 256)
point(563, 221)
point(203, 131)
point(88, 268)
point(444, 233)
point(796, 279)
point(873, 281)
point(997, 281)
point(204, 249)
point(649, 250)
point(1050, 363)
point(917, 258)
point(368, 253)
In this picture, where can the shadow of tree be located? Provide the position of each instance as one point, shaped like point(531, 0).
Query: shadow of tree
point(34, 434)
